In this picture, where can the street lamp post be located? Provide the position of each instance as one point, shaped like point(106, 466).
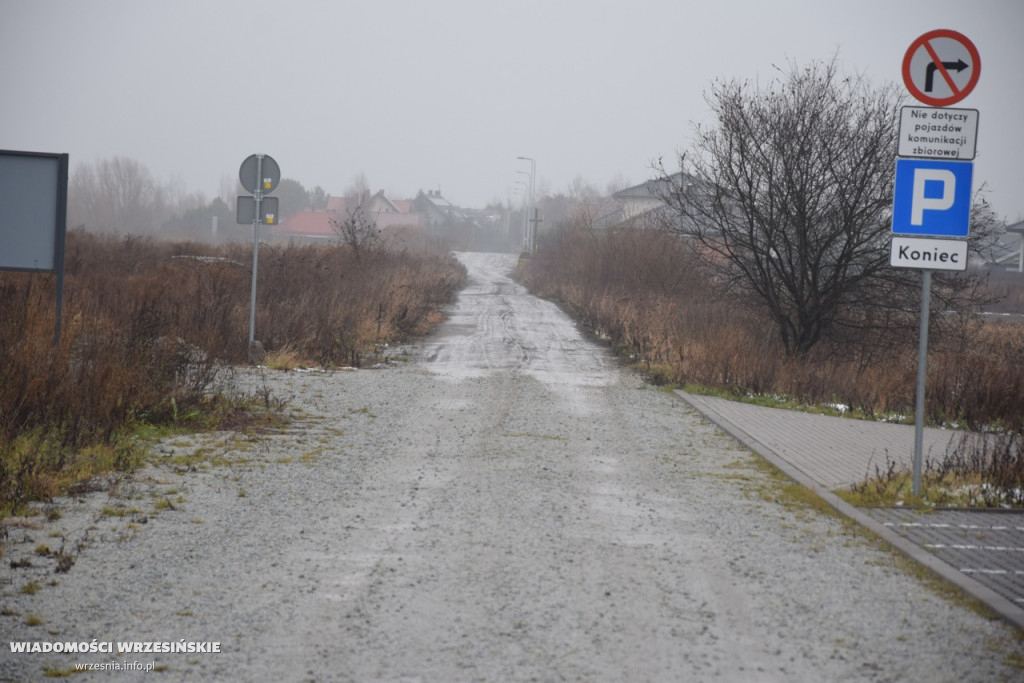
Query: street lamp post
point(530, 237)
point(522, 187)
point(528, 200)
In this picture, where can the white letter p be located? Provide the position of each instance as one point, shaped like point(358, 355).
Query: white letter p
point(919, 203)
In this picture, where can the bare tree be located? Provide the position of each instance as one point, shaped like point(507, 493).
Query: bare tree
point(292, 197)
point(84, 203)
point(133, 196)
point(118, 195)
point(581, 190)
point(618, 181)
point(789, 200)
point(357, 230)
point(359, 188)
point(317, 198)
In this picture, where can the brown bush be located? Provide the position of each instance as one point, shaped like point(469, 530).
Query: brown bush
point(645, 292)
point(147, 325)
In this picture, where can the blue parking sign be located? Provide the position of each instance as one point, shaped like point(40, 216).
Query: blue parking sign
point(932, 198)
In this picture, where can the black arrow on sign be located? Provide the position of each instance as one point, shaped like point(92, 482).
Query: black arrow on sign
point(929, 76)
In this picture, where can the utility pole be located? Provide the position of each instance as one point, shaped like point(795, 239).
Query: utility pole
point(531, 200)
point(533, 229)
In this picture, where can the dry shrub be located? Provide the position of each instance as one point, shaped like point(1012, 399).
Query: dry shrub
point(148, 325)
point(646, 293)
point(976, 374)
point(988, 467)
point(329, 306)
point(597, 276)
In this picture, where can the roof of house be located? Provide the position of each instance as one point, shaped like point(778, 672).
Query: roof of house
point(307, 224)
point(381, 204)
point(318, 223)
point(655, 188)
point(440, 208)
point(376, 203)
point(1005, 248)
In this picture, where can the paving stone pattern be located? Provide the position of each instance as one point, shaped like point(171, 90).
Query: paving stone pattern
point(834, 452)
point(987, 546)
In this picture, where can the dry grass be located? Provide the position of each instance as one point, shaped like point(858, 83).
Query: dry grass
point(978, 470)
point(645, 292)
point(150, 326)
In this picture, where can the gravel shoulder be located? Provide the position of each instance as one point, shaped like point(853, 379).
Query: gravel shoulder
point(508, 504)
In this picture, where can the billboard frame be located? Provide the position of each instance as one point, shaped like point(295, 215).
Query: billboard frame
point(31, 202)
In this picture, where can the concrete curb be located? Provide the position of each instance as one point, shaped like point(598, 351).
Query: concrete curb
point(1006, 609)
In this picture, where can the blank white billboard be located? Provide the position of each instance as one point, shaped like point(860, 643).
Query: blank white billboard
point(33, 210)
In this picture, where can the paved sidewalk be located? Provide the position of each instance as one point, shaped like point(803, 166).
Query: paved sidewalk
point(982, 551)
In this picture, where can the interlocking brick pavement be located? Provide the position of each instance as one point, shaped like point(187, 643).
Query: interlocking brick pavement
point(833, 451)
point(982, 551)
point(986, 545)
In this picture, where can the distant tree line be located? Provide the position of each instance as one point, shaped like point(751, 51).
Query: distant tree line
point(120, 196)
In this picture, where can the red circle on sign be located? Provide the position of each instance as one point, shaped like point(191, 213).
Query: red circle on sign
point(940, 68)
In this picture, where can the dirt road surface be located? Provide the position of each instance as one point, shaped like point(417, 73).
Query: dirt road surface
point(508, 504)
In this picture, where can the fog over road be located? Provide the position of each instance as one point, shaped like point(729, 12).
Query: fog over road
point(511, 504)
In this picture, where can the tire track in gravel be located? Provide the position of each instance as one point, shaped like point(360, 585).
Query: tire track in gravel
point(510, 505)
point(560, 521)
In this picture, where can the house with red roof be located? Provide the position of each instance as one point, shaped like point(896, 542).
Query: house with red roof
point(317, 225)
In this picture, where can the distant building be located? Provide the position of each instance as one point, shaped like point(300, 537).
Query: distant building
point(1013, 257)
point(643, 205)
point(437, 211)
point(1003, 266)
point(305, 226)
point(316, 225)
point(427, 218)
point(644, 198)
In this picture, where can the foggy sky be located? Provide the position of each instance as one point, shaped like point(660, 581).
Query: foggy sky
point(446, 94)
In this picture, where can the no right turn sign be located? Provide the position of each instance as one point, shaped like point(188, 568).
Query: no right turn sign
point(941, 67)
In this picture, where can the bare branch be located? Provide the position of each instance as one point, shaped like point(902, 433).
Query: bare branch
point(790, 200)
point(357, 230)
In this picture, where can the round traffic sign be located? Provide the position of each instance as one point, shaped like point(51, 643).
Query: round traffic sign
point(941, 67)
point(255, 175)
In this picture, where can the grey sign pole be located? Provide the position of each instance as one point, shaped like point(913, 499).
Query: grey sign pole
point(255, 248)
point(62, 222)
point(258, 174)
point(945, 220)
point(922, 374)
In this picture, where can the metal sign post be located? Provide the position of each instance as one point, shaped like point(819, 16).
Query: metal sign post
point(932, 192)
point(258, 174)
point(255, 251)
point(922, 374)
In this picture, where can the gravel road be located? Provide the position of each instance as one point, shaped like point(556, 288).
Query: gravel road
point(507, 504)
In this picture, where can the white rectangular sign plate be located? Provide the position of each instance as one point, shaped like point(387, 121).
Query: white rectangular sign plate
point(928, 254)
point(938, 133)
